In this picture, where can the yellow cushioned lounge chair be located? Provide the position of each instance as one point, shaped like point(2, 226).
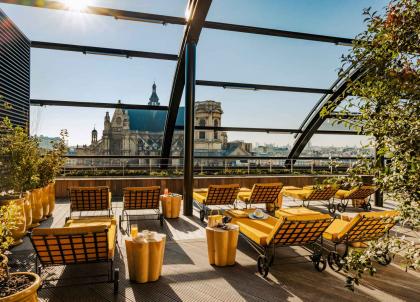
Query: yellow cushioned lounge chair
point(140, 198)
point(313, 193)
point(355, 232)
point(80, 241)
point(266, 235)
point(90, 199)
point(361, 193)
point(267, 194)
point(216, 195)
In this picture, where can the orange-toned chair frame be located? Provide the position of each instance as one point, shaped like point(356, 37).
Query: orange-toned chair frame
point(140, 198)
point(306, 234)
point(265, 193)
point(72, 249)
point(360, 193)
point(218, 195)
point(364, 230)
point(325, 193)
point(89, 199)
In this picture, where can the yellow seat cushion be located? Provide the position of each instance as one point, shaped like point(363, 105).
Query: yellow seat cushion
point(200, 196)
point(335, 228)
point(301, 194)
point(257, 230)
point(294, 211)
point(94, 222)
point(341, 194)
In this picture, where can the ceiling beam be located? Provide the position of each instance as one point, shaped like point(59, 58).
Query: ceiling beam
point(39, 102)
point(104, 51)
point(198, 13)
point(266, 130)
point(162, 19)
point(255, 87)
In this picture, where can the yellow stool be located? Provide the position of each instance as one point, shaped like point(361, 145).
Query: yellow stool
point(171, 205)
point(221, 245)
point(145, 259)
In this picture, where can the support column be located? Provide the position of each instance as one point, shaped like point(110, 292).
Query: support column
point(379, 195)
point(190, 55)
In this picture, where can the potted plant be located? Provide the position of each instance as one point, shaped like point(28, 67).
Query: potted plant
point(19, 160)
point(25, 167)
point(20, 286)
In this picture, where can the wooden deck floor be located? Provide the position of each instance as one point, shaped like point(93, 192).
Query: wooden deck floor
point(187, 276)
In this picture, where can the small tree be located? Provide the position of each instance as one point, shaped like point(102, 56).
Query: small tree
point(19, 158)
point(387, 99)
point(52, 161)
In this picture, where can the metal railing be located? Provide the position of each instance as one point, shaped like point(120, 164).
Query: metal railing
point(203, 166)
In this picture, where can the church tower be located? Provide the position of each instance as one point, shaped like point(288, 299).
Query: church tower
point(94, 136)
point(154, 99)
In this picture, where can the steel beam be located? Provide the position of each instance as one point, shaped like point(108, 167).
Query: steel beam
point(314, 119)
point(266, 130)
point(37, 102)
point(104, 51)
point(190, 57)
point(255, 87)
point(161, 19)
point(198, 13)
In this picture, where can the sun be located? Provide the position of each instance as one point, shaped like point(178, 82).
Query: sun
point(77, 5)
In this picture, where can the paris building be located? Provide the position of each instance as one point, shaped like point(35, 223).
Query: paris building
point(140, 132)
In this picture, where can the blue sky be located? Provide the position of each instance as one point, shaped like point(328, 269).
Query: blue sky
point(222, 55)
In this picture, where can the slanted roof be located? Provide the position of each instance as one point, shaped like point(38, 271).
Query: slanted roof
point(151, 121)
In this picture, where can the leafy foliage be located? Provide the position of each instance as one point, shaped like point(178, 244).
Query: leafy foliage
point(24, 165)
point(386, 100)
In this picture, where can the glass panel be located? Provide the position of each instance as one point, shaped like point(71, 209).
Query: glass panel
point(321, 17)
point(77, 77)
point(324, 145)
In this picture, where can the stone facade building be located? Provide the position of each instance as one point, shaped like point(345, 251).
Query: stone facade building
point(140, 132)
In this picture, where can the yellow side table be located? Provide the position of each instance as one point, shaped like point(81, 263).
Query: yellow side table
point(145, 258)
point(171, 205)
point(221, 245)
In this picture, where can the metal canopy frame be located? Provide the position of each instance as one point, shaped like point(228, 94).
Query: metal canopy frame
point(193, 27)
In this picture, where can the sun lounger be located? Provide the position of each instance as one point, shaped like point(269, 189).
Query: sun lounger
point(267, 194)
point(357, 193)
point(266, 235)
point(313, 193)
point(216, 195)
point(356, 232)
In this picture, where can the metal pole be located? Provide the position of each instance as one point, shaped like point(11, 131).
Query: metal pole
point(379, 195)
point(189, 127)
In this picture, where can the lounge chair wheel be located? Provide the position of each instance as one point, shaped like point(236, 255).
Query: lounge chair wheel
point(384, 259)
point(202, 215)
point(263, 266)
point(319, 262)
point(334, 261)
point(341, 207)
point(331, 208)
point(116, 280)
